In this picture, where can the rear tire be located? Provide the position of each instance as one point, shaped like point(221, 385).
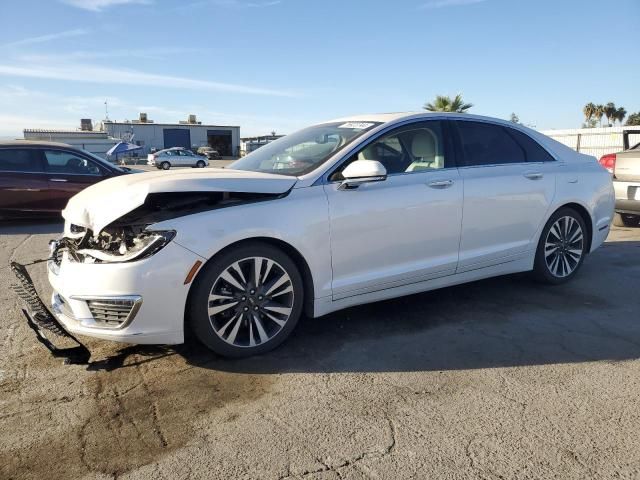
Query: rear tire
point(626, 220)
point(561, 248)
point(165, 165)
point(246, 301)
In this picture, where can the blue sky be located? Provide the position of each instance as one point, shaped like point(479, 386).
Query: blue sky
point(282, 64)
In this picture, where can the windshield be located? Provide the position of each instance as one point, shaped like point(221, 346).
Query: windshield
point(303, 151)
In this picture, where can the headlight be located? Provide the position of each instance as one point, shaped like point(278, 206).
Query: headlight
point(132, 248)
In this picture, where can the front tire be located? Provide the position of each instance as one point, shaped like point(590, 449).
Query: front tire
point(626, 220)
point(562, 247)
point(200, 164)
point(246, 301)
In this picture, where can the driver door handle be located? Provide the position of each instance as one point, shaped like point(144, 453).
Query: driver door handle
point(57, 179)
point(533, 175)
point(440, 184)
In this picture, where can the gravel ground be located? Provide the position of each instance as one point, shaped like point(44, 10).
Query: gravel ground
point(502, 378)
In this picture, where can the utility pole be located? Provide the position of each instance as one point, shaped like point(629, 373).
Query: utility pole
point(106, 110)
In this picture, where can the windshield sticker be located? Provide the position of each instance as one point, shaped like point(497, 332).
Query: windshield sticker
point(356, 125)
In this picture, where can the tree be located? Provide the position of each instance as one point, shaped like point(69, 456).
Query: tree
point(609, 112)
point(588, 110)
point(620, 114)
point(633, 119)
point(514, 118)
point(598, 113)
point(444, 103)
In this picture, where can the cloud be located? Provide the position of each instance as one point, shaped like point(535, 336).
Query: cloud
point(263, 4)
point(105, 75)
point(448, 3)
point(47, 38)
point(99, 5)
point(25, 108)
point(80, 55)
point(233, 3)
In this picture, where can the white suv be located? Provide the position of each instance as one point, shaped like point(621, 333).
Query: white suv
point(177, 156)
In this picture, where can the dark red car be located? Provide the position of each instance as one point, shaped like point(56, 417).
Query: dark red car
point(40, 177)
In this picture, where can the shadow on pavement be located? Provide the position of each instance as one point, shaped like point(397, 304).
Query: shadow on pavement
point(502, 322)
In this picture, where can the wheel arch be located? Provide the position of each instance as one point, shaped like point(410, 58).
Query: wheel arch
point(290, 250)
point(586, 217)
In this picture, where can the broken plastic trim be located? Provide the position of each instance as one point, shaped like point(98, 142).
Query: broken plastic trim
point(41, 320)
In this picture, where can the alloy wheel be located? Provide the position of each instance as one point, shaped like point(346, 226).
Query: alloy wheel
point(563, 247)
point(250, 302)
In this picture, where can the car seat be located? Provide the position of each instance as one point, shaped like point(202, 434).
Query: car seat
point(424, 150)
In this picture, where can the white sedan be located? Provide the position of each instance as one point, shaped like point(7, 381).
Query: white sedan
point(342, 213)
point(176, 157)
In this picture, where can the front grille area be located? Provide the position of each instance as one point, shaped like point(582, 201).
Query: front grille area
point(113, 312)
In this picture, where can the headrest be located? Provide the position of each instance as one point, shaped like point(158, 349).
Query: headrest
point(423, 145)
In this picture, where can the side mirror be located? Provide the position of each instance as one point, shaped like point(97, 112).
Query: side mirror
point(362, 171)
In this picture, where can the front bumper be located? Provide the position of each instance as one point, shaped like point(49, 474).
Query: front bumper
point(155, 285)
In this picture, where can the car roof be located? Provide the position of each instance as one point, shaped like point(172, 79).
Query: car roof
point(397, 116)
point(34, 143)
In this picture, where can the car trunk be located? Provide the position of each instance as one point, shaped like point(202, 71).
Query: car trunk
point(627, 167)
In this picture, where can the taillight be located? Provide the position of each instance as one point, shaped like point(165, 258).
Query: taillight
point(608, 161)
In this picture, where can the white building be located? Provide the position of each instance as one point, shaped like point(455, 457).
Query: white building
point(97, 143)
point(190, 134)
point(149, 135)
point(597, 141)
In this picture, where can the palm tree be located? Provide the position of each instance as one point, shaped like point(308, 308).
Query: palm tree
point(444, 103)
point(620, 114)
point(588, 110)
point(609, 112)
point(598, 113)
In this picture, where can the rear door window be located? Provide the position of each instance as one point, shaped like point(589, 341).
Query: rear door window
point(533, 151)
point(488, 144)
point(20, 160)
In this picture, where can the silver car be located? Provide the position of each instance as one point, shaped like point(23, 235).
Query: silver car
point(178, 157)
point(625, 167)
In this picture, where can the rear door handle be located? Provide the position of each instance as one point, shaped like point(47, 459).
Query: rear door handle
point(440, 184)
point(533, 175)
point(57, 179)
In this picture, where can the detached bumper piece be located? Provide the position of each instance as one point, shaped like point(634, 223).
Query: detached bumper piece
point(42, 321)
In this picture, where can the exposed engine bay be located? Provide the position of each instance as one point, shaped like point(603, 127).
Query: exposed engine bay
point(127, 238)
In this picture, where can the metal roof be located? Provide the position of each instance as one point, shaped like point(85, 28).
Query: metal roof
point(155, 124)
point(33, 143)
point(66, 132)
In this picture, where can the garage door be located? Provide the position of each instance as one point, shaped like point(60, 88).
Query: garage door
point(220, 140)
point(177, 137)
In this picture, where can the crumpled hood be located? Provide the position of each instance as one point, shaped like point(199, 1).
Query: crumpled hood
point(98, 205)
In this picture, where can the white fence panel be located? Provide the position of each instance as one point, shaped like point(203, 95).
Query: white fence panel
point(596, 141)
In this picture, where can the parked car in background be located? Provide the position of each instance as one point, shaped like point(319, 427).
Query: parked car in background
point(625, 167)
point(176, 157)
point(40, 177)
point(342, 213)
point(210, 153)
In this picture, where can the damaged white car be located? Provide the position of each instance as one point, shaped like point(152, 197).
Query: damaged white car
point(341, 213)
